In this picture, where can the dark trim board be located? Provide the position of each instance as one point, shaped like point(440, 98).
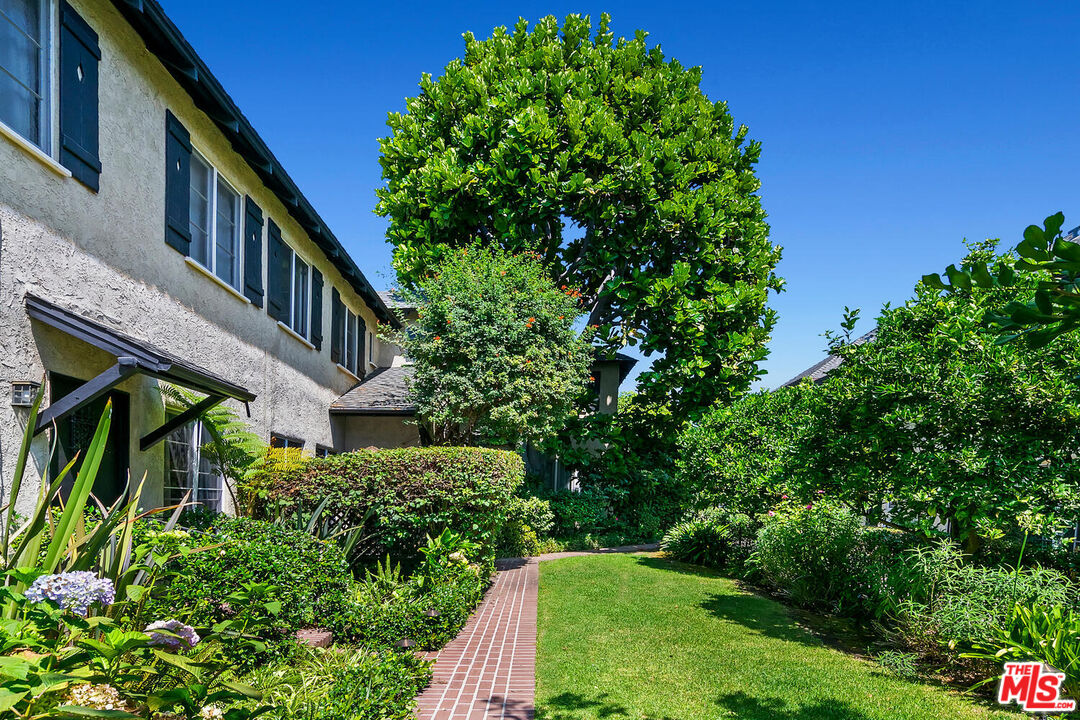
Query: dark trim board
point(374, 412)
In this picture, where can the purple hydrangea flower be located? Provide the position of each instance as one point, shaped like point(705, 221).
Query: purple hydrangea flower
point(74, 591)
point(183, 636)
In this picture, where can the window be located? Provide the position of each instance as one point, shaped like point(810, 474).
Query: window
point(188, 469)
point(371, 348)
point(298, 316)
point(322, 451)
point(25, 69)
point(286, 442)
point(214, 222)
point(352, 347)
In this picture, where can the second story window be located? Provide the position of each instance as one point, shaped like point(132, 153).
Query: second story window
point(214, 222)
point(300, 294)
point(25, 69)
point(352, 349)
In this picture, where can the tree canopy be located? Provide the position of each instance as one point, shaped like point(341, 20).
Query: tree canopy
point(495, 354)
point(937, 417)
point(1048, 265)
point(607, 160)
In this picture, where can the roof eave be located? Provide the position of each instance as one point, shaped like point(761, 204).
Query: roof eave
point(168, 44)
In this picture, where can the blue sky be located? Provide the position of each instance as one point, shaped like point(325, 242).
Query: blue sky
point(891, 131)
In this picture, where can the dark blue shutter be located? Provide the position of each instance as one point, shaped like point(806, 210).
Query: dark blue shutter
point(316, 308)
point(278, 274)
point(361, 342)
point(79, 57)
point(177, 184)
point(337, 327)
point(253, 252)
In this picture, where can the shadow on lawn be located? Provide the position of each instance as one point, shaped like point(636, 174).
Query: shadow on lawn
point(567, 706)
point(745, 707)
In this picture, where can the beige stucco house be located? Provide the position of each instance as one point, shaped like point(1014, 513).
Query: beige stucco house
point(149, 235)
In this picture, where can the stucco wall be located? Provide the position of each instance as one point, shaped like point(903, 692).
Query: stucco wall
point(103, 255)
point(360, 431)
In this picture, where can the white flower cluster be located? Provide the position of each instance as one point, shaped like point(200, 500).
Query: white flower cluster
point(178, 636)
point(97, 697)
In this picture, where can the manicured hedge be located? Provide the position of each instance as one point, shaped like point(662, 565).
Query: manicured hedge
point(411, 493)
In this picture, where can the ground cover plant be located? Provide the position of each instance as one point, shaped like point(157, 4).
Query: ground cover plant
point(636, 636)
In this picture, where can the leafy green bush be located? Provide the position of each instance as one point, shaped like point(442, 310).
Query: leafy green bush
point(497, 360)
point(805, 552)
point(962, 604)
point(527, 519)
point(579, 513)
point(338, 684)
point(401, 496)
point(428, 608)
point(1049, 635)
point(739, 455)
point(712, 537)
point(310, 577)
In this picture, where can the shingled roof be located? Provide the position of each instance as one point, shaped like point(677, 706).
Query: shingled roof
point(382, 392)
point(395, 301)
point(817, 373)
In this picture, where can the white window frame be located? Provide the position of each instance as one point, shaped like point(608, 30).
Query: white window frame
point(48, 120)
point(370, 347)
point(211, 251)
point(350, 341)
point(193, 433)
point(292, 324)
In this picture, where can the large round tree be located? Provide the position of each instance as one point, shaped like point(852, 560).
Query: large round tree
point(609, 161)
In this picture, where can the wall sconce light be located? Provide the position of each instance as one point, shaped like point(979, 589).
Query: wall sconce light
point(23, 393)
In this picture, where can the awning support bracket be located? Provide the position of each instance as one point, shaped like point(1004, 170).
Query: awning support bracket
point(87, 393)
point(155, 436)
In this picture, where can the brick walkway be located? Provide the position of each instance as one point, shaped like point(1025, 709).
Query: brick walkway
point(489, 670)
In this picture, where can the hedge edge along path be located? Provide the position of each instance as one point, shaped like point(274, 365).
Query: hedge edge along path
point(489, 670)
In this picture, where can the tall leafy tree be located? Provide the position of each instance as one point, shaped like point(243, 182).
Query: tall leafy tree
point(941, 420)
point(608, 160)
point(1047, 264)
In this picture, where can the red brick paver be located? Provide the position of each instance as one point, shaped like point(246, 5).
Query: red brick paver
point(488, 672)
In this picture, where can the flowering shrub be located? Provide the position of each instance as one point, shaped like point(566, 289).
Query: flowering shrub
point(497, 359)
point(54, 662)
point(74, 591)
point(402, 496)
point(176, 636)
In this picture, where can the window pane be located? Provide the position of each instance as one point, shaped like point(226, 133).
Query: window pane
point(186, 470)
point(22, 107)
point(19, 110)
point(228, 234)
point(20, 55)
point(201, 176)
point(23, 14)
point(300, 297)
point(349, 341)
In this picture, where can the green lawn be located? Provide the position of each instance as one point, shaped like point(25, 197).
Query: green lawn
point(631, 636)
